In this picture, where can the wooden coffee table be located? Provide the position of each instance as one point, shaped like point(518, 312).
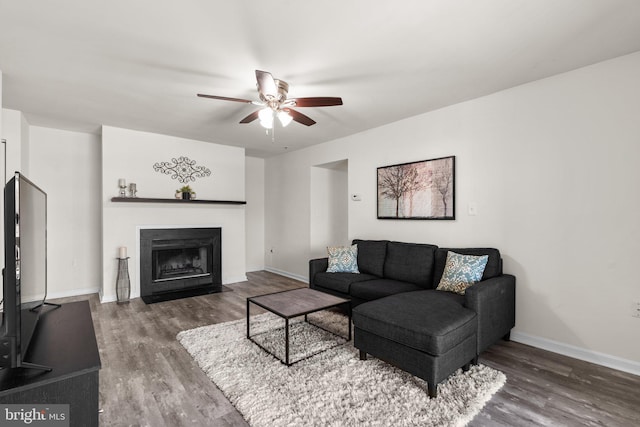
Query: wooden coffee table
point(294, 303)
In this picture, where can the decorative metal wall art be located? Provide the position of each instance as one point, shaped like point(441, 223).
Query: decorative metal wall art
point(183, 169)
point(418, 190)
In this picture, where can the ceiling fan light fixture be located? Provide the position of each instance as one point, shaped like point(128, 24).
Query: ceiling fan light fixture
point(284, 118)
point(274, 99)
point(266, 125)
point(266, 118)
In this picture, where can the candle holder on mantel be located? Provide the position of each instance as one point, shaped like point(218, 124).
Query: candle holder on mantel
point(122, 183)
point(123, 284)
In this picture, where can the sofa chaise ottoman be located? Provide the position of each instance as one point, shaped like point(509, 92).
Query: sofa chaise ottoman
point(426, 333)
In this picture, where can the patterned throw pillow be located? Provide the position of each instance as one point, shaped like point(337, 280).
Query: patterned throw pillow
point(461, 271)
point(343, 259)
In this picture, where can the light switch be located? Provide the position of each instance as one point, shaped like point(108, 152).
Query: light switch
point(473, 209)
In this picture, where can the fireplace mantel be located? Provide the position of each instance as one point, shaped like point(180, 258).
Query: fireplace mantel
point(178, 201)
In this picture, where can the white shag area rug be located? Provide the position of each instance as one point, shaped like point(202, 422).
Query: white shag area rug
point(330, 388)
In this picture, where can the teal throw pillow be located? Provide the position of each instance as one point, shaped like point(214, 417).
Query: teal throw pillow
point(343, 259)
point(461, 271)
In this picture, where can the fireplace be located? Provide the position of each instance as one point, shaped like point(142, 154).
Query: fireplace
point(179, 262)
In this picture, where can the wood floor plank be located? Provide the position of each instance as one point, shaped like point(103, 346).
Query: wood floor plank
point(148, 379)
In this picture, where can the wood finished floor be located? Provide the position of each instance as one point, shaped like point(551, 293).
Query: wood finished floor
point(148, 379)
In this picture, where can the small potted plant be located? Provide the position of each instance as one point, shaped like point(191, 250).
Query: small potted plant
point(186, 192)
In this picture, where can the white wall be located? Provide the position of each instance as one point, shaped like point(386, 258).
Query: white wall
point(287, 211)
point(12, 132)
point(0, 101)
point(254, 213)
point(329, 207)
point(2, 159)
point(131, 155)
point(25, 144)
point(552, 167)
point(66, 165)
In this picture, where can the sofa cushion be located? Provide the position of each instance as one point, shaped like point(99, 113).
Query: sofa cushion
point(492, 269)
point(379, 288)
point(340, 282)
point(371, 254)
point(461, 271)
point(343, 259)
point(430, 321)
point(410, 262)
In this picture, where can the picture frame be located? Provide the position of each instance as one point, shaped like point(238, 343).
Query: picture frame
point(421, 190)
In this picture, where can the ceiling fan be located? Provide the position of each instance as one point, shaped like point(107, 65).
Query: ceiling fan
point(273, 97)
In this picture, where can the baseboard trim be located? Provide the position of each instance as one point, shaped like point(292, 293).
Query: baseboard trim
point(287, 274)
point(598, 358)
point(105, 299)
point(237, 279)
point(72, 293)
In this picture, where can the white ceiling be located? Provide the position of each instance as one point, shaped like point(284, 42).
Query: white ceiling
point(138, 64)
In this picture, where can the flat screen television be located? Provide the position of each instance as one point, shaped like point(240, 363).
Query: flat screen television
point(25, 273)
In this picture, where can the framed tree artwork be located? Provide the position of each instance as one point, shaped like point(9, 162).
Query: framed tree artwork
point(418, 190)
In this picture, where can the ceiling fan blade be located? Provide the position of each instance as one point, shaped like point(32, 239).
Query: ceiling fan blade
point(321, 101)
point(299, 117)
point(224, 98)
point(251, 117)
point(266, 84)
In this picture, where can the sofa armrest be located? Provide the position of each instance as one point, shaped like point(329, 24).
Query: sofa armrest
point(316, 266)
point(494, 301)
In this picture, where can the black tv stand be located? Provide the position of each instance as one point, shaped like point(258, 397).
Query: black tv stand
point(65, 341)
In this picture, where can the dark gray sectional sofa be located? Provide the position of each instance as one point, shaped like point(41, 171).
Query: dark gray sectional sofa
point(400, 317)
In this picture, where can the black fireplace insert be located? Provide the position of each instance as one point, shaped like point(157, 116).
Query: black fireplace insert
point(179, 262)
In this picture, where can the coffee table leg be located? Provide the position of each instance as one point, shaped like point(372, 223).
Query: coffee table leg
point(286, 341)
point(247, 318)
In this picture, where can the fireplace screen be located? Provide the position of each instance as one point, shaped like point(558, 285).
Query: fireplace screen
point(180, 263)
